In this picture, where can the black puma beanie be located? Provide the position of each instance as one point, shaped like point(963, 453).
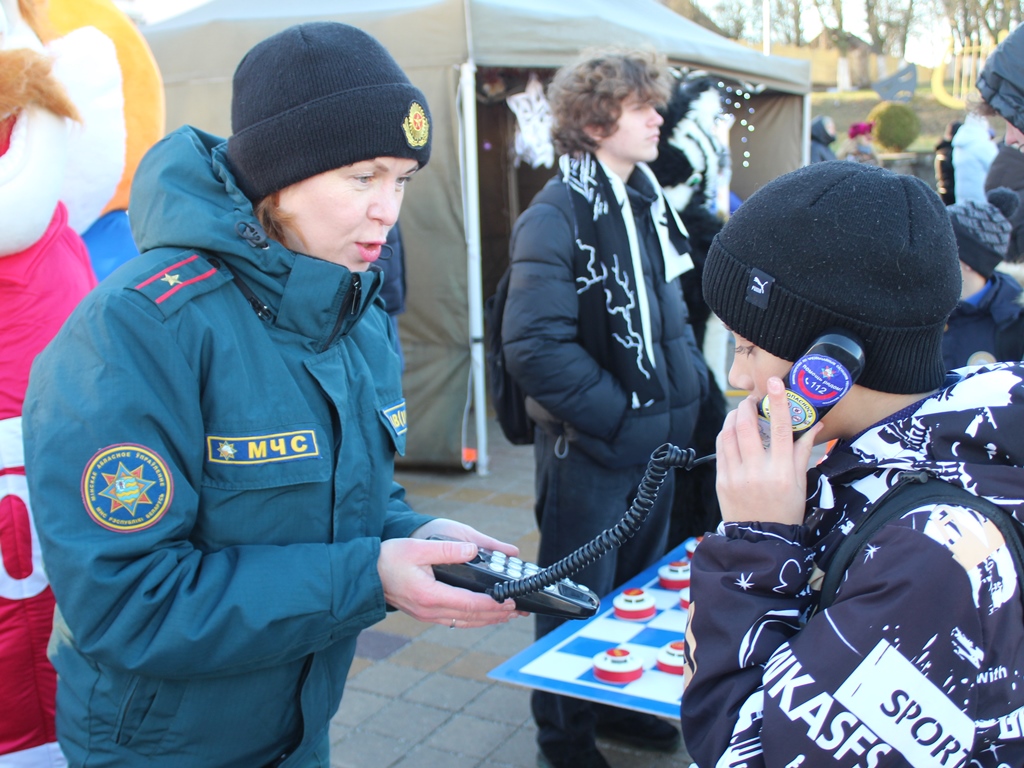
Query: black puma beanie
point(841, 245)
point(319, 96)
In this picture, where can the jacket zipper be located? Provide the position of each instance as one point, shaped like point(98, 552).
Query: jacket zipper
point(349, 307)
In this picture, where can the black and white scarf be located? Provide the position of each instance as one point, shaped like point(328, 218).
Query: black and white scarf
point(614, 309)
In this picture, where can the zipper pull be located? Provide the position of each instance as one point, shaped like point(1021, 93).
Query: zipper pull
point(357, 290)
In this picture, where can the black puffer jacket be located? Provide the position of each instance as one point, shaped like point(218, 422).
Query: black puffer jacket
point(568, 391)
point(1007, 170)
point(990, 331)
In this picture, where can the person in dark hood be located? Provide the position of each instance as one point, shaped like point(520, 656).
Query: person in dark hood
point(914, 662)
point(823, 133)
point(944, 176)
point(1001, 86)
point(212, 435)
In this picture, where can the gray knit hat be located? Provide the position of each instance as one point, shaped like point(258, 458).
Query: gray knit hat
point(841, 245)
point(1001, 82)
point(983, 231)
point(319, 96)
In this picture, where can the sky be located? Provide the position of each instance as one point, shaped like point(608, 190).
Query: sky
point(158, 10)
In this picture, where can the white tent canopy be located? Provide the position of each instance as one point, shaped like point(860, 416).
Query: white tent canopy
point(439, 43)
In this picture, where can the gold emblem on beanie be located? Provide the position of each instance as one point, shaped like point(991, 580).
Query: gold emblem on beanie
point(416, 126)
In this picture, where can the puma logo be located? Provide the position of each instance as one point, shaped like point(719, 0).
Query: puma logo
point(759, 288)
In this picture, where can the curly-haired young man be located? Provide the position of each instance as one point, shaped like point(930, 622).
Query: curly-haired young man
point(595, 331)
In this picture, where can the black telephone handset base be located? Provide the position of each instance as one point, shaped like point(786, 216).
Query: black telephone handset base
point(562, 598)
point(819, 379)
point(549, 590)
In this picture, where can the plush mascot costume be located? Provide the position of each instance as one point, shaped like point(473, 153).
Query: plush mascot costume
point(63, 137)
point(120, 95)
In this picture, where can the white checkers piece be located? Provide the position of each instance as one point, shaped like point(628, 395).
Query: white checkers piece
point(691, 545)
point(634, 605)
point(684, 598)
point(618, 666)
point(674, 575)
point(672, 658)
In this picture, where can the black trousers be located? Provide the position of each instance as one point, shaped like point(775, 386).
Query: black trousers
point(576, 500)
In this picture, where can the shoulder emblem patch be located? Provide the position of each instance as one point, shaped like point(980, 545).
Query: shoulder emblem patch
point(262, 449)
point(416, 126)
point(127, 487)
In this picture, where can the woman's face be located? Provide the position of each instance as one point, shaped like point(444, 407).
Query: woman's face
point(343, 216)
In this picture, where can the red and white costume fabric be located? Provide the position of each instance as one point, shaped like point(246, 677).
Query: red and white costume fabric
point(39, 286)
point(44, 273)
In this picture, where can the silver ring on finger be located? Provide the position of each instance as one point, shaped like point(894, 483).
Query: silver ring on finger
point(452, 625)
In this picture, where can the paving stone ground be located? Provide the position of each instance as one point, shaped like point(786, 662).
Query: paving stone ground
point(418, 695)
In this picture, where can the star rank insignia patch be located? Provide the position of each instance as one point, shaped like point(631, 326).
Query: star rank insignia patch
point(126, 487)
point(171, 279)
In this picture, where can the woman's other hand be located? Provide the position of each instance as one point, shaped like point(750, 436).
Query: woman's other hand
point(405, 571)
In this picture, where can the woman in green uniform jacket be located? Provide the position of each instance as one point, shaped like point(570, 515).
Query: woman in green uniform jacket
point(211, 437)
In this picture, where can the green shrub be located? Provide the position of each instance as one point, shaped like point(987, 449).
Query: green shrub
point(896, 125)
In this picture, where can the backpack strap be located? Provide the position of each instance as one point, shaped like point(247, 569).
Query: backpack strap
point(912, 491)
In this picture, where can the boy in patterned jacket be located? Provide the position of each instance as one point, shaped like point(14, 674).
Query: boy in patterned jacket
point(916, 661)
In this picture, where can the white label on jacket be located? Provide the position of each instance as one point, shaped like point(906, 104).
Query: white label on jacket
point(893, 698)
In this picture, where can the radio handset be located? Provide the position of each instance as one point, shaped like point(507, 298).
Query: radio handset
point(818, 380)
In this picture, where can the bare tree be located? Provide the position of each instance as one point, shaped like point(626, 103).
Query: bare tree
point(737, 19)
point(787, 21)
point(889, 23)
point(977, 22)
point(832, 21)
point(999, 15)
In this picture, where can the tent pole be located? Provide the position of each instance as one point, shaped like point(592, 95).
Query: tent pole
point(805, 154)
point(471, 187)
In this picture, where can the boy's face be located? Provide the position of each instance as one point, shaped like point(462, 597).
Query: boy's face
point(635, 138)
point(752, 367)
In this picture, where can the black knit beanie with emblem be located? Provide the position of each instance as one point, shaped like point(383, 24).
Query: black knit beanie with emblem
point(319, 96)
point(841, 245)
point(983, 229)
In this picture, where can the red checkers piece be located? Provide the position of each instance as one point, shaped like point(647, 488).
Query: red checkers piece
point(691, 545)
point(674, 575)
point(618, 665)
point(634, 605)
point(684, 598)
point(672, 657)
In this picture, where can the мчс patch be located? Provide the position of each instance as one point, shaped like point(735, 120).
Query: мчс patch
point(262, 449)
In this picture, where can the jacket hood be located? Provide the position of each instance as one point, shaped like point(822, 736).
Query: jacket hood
point(820, 133)
point(1001, 82)
point(970, 433)
point(184, 196)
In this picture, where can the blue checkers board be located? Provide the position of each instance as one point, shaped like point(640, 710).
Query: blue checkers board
point(562, 661)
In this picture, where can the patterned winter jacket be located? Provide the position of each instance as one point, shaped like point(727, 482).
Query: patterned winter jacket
point(918, 660)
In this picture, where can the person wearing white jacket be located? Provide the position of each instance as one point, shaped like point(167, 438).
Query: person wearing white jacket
point(973, 153)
